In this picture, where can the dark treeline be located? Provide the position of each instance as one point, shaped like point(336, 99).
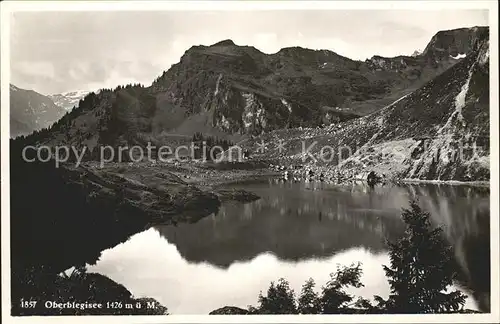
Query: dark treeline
point(204, 144)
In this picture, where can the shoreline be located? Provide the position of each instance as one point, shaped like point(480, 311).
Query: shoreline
point(214, 177)
point(485, 184)
point(236, 177)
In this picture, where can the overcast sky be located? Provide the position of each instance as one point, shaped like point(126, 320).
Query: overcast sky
point(64, 51)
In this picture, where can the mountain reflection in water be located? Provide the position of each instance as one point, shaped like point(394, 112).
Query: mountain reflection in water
point(295, 231)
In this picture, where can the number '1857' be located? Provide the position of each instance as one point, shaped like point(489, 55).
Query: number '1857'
point(28, 303)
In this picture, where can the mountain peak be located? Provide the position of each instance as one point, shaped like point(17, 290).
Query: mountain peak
point(416, 53)
point(296, 49)
point(225, 42)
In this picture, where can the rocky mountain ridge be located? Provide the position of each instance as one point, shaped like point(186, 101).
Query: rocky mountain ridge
point(237, 91)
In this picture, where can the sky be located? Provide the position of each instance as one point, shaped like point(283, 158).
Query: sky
point(55, 52)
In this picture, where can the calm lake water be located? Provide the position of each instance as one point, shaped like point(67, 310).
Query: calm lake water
point(296, 231)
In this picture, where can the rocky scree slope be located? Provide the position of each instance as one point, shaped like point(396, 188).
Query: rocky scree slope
point(423, 135)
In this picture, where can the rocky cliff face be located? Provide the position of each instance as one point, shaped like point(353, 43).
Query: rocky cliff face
point(30, 111)
point(227, 90)
point(451, 43)
point(444, 49)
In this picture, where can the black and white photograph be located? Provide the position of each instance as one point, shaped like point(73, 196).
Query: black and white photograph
point(203, 161)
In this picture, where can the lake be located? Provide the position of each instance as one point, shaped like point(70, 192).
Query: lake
point(297, 230)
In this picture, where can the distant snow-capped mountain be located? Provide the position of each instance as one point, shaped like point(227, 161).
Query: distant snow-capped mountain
point(68, 100)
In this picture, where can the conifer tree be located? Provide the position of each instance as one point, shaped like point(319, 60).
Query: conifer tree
point(280, 299)
point(422, 269)
point(309, 302)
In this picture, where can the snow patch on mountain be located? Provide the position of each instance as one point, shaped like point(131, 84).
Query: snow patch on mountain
point(70, 99)
point(458, 56)
point(484, 53)
point(287, 105)
point(253, 112)
point(217, 85)
point(248, 114)
point(459, 104)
